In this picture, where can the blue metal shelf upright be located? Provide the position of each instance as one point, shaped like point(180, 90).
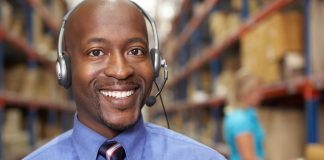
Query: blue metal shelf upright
point(32, 112)
point(312, 97)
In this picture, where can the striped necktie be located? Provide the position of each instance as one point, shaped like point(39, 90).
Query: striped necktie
point(112, 151)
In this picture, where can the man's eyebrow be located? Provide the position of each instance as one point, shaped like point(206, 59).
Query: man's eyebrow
point(134, 40)
point(96, 40)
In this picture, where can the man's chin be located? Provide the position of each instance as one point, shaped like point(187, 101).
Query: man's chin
point(119, 125)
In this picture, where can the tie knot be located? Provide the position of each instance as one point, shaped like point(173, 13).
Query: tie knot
point(112, 151)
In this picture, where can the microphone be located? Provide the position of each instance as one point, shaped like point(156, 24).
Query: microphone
point(150, 101)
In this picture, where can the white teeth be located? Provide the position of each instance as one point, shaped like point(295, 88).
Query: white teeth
point(117, 94)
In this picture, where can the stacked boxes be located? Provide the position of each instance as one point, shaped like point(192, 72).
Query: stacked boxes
point(222, 24)
point(44, 41)
point(10, 20)
point(37, 83)
point(264, 46)
point(6, 11)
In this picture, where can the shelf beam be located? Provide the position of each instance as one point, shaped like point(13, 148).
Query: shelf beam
point(11, 98)
point(215, 50)
point(280, 89)
point(23, 46)
point(187, 105)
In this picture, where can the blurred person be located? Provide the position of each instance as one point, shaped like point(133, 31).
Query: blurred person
point(242, 129)
point(106, 45)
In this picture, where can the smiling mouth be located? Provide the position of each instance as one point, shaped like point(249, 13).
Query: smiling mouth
point(117, 94)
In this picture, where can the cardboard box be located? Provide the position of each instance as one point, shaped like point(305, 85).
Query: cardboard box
point(285, 132)
point(6, 18)
point(315, 152)
point(222, 24)
point(14, 78)
point(264, 46)
point(316, 35)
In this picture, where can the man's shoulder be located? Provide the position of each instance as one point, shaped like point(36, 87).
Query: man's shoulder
point(53, 149)
point(182, 144)
point(170, 135)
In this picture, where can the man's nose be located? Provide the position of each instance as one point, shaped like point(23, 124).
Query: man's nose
point(118, 66)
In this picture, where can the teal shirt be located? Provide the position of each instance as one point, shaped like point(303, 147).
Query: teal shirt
point(243, 121)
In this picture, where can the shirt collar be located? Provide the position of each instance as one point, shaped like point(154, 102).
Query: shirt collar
point(133, 140)
point(87, 142)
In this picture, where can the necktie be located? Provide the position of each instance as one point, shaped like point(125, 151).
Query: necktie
point(112, 151)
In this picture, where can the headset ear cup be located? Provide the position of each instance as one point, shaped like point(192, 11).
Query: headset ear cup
point(63, 71)
point(156, 60)
point(152, 59)
point(68, 82)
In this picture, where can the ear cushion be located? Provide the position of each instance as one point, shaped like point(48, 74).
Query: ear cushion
point(63, 71)
point(155, 61)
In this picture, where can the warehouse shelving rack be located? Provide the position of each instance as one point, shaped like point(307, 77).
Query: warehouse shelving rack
point(192, 26)
point(41, 10)
point(26, 47)
point(215, 50)
point(309, 86)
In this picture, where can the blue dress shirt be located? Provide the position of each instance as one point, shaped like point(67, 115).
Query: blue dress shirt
point(144, 141)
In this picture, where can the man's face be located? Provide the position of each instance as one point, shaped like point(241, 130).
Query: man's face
point(112, 71)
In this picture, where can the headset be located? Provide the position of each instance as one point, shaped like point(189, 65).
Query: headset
point(63, 63)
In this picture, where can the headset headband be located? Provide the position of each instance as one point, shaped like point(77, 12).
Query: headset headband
point(146, 15)
point(63, 68)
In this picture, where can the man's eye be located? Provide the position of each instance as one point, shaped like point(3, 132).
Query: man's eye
point(136, 51)
point(96, 53)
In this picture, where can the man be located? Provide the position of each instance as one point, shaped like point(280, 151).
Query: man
point(112, 76)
